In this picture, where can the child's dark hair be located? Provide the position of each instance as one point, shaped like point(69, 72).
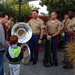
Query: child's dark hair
point(14, 39)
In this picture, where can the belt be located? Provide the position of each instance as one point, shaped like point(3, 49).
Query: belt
point(67, 33)
point(14, 63)
point(2, 51)
point(50, 34)
point(36, 34)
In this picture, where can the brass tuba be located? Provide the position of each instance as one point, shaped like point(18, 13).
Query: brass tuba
point(24, 33)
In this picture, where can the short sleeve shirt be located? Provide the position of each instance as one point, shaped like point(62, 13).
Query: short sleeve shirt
point(71, 25)
point(36, 25)
point(65, 22)
point(10, 24)
point(53, 26)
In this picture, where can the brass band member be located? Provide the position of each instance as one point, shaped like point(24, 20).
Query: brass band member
point(9, 25)
point(71, 32)
point(53, 28)
point(65, 23)
point(37, 26)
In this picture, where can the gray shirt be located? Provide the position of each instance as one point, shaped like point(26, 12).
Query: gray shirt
point(3, 43)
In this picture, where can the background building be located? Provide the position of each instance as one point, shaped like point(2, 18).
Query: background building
point(42, 10)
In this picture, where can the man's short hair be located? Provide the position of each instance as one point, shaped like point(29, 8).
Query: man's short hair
point(55, 12)
point(13, 39)
point(2, 14)
point(35, 10)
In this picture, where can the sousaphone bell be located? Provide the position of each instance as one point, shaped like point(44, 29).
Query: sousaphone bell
point(24, 33)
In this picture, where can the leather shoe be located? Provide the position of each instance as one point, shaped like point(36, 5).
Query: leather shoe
point(55, 64)
point(68, 67)
point(46, 64)
point(34, 63)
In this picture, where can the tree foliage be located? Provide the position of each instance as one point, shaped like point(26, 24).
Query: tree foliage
point(12, 8)
point(60, 6)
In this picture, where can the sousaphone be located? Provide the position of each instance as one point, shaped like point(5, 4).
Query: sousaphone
point(24, 33)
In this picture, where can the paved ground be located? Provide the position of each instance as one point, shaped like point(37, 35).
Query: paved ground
point(39, 69)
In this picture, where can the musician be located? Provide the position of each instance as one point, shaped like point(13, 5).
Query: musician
point(53, 28)
point(70, 32)
point(9, 26)
point(4, 25)
point(65, 23)
point(38, 27)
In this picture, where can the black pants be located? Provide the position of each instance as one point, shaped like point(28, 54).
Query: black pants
point(47, 53)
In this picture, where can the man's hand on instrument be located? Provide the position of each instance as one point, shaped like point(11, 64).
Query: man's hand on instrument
point(48, 37)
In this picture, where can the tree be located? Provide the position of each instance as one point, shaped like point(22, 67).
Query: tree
point(60, 6)
point(12, 8)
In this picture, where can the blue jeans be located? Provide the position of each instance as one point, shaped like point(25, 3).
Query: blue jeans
point(33, 45)
point(1, 63)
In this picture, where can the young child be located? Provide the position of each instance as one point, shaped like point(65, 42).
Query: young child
point(14, 55)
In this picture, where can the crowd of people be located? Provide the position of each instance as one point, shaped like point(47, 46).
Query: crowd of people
point(53, 29)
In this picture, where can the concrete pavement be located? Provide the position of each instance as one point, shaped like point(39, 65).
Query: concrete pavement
point(39, 69)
